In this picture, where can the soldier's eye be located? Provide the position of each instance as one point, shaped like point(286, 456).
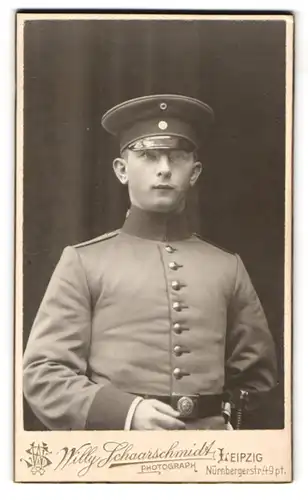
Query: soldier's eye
point(149, 155)
point(178, 155)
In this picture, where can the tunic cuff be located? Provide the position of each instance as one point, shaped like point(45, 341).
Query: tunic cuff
point(109, 409)
point(131, 413)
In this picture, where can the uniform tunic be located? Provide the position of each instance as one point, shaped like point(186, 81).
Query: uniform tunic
point(149, 309)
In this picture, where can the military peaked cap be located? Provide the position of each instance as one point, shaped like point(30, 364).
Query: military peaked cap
point(164, 121)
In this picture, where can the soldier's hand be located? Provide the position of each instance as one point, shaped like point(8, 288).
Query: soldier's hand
point(152, 414)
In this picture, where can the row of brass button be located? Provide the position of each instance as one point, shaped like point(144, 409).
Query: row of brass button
point(177, 306)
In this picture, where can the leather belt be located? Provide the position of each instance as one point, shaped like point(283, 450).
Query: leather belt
point(191, 406)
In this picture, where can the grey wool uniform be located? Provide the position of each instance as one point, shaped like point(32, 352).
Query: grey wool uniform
point(150, 310)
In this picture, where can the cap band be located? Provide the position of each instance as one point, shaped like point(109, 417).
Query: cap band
point(162, 142)
point(145, 129)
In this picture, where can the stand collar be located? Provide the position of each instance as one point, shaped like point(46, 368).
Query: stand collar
point(157, 226)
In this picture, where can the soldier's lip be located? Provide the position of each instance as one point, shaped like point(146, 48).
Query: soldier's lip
point(163, 186)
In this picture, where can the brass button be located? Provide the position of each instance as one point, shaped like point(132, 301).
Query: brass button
point(169, 249)
point(177, 373)
point(177, 350)
point(174, 266)
point(175, 285)
point(177, 306)
point(177, 328)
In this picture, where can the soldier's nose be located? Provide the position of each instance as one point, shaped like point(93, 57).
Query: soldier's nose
point(163, 168)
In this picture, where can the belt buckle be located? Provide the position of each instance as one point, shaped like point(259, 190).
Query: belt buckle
point(187, 406)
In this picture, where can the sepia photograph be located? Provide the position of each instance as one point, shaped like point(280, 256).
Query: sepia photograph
point(153, 247)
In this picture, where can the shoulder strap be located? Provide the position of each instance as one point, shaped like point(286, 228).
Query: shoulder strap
point(102, 237)
point(214, 244)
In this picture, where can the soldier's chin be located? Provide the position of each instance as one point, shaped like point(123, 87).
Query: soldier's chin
point(166, 206)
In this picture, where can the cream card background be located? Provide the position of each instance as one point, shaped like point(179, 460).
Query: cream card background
point(274, 445)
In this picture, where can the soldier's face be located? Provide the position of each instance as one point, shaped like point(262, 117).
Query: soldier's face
point(158, 180)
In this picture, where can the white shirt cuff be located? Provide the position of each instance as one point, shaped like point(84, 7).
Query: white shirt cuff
point(131, 412)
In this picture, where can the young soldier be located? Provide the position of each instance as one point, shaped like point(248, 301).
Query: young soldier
point(150, 327)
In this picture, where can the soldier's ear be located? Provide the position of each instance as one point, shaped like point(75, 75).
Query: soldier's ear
point(196, 171)
point(120, 169)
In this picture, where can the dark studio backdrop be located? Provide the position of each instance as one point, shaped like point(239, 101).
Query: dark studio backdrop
point(76, 70)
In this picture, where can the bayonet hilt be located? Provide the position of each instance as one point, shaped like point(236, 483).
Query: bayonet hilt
point(243, 396)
